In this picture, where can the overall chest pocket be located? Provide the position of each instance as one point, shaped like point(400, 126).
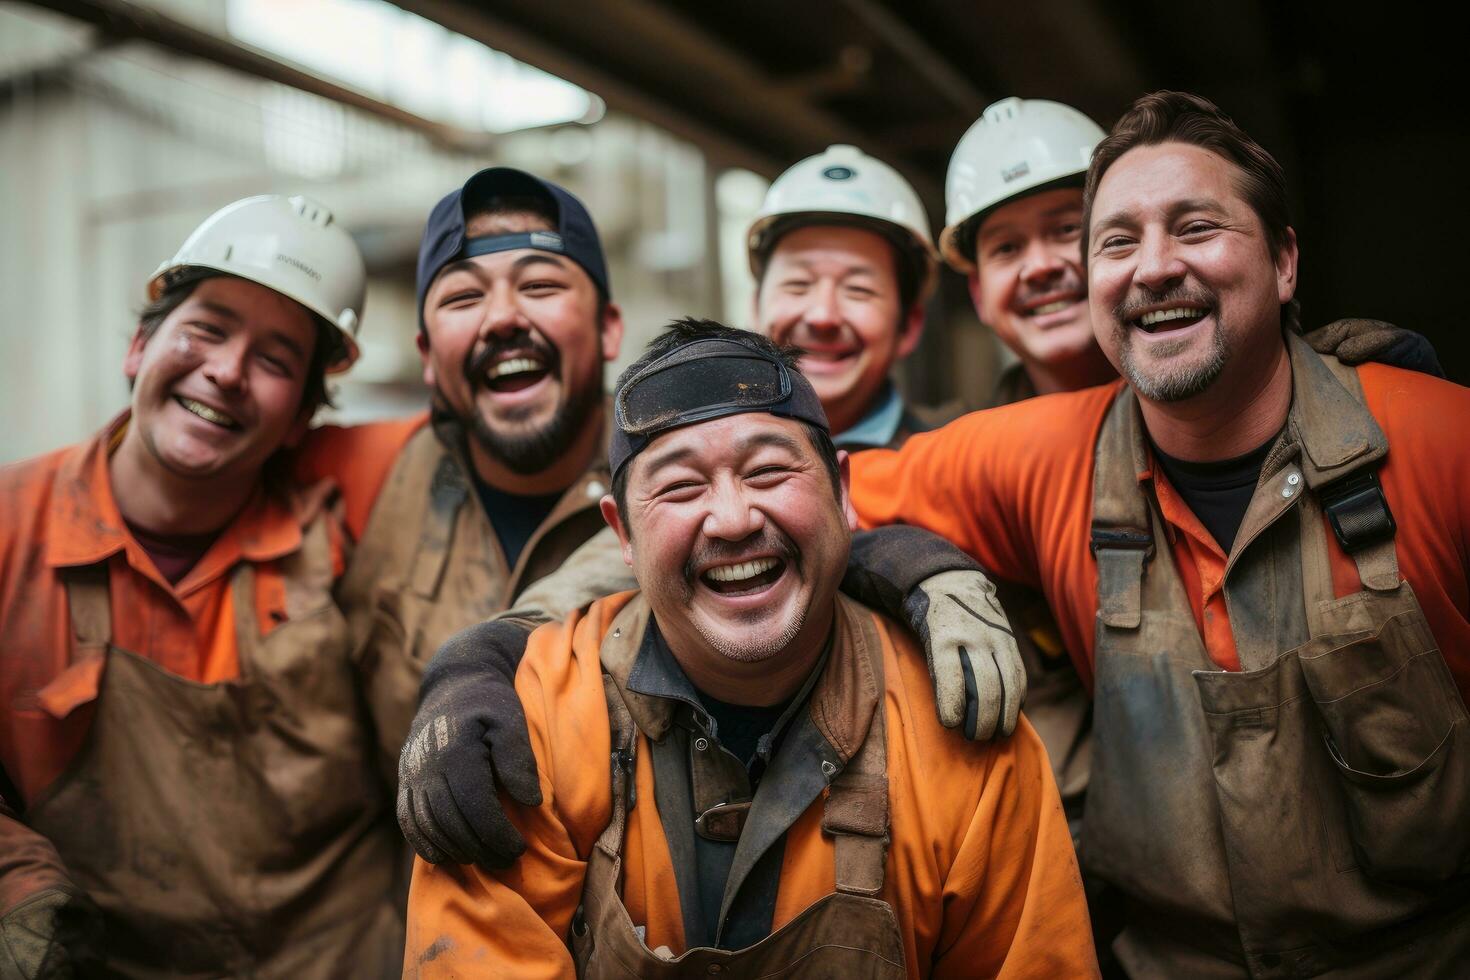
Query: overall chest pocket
point(1395, 728)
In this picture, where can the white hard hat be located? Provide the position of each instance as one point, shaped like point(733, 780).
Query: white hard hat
point(847, 186)
point(290, 245)
point(1017, 147)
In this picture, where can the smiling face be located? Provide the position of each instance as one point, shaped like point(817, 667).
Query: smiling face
point(736, 536)
point(514, 345)
point(217, 387)
point(1029, 285)
point(1186, 292)
point(833, 292)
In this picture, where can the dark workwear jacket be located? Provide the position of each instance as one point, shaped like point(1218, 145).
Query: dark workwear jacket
point(427, 561)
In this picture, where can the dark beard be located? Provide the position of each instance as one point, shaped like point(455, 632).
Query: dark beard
point(537, 450)
point(529, 452)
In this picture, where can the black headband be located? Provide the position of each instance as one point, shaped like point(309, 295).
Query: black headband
point(704, 380)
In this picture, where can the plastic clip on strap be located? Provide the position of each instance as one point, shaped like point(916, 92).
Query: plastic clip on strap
point(1358, 511)
point(1121, 555)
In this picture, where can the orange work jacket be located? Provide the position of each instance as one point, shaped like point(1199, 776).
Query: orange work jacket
point(980, 871)
point(58, 511)
point(1013, 487)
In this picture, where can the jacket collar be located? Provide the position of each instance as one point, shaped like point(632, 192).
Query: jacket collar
point(1337, 433)
point(86, 526)
point(842, 701)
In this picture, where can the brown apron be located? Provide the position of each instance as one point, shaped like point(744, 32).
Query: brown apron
point(232, 829)
point(846, 935)
point(429, 565)
point(1307, 814)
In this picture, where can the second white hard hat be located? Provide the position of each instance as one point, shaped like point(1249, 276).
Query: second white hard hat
point(1017, 147)
point(290, 245)
point(847, 186)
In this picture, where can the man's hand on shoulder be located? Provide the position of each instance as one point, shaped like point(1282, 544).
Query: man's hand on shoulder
point(468, 737)
point(944, 596)
point(979, 677)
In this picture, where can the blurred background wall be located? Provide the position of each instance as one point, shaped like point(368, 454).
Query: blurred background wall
point(122, 124)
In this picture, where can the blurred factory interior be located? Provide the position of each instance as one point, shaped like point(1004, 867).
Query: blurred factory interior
point(122, 124)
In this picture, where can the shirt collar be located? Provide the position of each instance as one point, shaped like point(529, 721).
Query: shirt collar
point(657, 673)
point(844, 690)
point(87, 527)
point(879, 426)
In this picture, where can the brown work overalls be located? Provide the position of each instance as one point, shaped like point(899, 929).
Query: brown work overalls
point(847, 935)
point(429, 565)
point(1307, 814)
point(233, 829)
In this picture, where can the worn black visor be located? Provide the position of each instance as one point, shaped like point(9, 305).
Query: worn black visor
point(706, 380)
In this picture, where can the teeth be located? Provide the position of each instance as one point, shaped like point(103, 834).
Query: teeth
point(742, 571)
point(1178, 313)
point(1056, 307)
point(206, 413)
point(515, 365)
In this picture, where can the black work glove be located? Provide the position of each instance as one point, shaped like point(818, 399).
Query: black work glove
point(52, 935)
point(945, 597)
point(1359, 341)
point(468, 738)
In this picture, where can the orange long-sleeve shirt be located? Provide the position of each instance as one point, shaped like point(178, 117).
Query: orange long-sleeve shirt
point(980, 871)
point(358, 459)
point(1013, 487)
point(58, 511)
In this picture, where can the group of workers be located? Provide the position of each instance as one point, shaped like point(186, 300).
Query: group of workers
point(723, 674)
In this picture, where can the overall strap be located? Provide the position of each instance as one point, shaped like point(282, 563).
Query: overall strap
point(856, 812)
point(447, 494)
point(309, 571)
point(1358, 510)
point(624, 790)
point(1122, 529)
point(88, 599)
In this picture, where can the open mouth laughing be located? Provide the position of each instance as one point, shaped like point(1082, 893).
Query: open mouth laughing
point(749, 577)
point(1169, 319)
point(827, 360)
point(516, 372)
point(211, 415)
point(1045, 306)
point(513, 364)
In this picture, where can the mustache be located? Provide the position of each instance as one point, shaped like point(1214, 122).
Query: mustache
point(1068, 281)
point(1133, 306)
point(477, 362)
point(769, 540)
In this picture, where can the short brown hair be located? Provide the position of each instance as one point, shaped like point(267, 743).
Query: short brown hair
point(1179, 117)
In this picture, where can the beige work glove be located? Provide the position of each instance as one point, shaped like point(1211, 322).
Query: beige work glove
point(979, 679)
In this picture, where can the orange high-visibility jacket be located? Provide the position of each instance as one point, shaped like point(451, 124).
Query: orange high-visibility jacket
point(1013, 487)
point(980, 871)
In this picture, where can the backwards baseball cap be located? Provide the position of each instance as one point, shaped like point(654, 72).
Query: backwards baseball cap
point(700, 380)
point(444, 241)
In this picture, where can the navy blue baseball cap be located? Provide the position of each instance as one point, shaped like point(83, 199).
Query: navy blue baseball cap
point(574, 236)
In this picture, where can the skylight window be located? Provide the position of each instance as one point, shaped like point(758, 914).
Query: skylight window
point(411, 62)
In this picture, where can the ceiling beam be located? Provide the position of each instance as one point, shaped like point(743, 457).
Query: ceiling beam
point(120, 20)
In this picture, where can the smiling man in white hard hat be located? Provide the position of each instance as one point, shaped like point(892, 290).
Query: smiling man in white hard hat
point(1013, 228)
point(844, 261)
point(187, 786)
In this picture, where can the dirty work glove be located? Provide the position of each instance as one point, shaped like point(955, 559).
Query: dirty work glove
point(979, 677)
point(468, 738)
point(916, 576)
point(51, 935)
point(1358, 341)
